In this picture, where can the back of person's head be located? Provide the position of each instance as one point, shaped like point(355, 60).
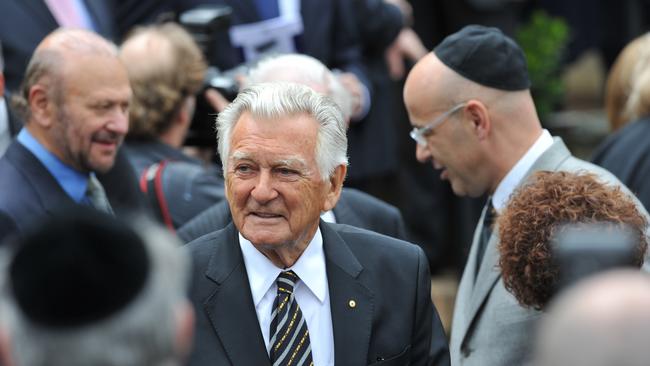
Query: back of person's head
point(601, 321)
point(85, 289)
point(166, 69)
point(627, 95)
point(539, 210)
point(303, 69)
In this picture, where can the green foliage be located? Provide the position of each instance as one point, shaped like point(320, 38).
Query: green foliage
point(544, 39)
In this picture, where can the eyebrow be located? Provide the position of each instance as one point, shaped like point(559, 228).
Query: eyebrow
point(289, 161)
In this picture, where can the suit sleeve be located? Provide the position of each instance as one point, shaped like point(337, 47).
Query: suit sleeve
point(429, 343)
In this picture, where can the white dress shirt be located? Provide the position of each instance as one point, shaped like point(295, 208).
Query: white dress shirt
point(516, 174)
point(311, 293)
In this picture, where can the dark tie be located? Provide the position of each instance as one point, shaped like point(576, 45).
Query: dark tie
point(96, 195)
point(289, 334)
point(486, 232)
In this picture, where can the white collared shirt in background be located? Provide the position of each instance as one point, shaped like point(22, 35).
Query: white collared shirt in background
point(311, 293)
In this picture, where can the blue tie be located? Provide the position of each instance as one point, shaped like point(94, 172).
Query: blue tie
point(267, 9)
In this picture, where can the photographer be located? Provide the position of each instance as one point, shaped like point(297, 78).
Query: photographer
point(166, 70)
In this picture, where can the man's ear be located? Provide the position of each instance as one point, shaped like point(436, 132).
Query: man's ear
point(184, 329)
point(334, 187)
point(41, 105)
point(479, 116)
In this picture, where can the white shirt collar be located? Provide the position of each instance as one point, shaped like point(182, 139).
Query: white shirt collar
point(518, 172)
point(310, 268)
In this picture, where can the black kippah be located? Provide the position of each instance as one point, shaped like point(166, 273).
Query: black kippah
point(486, 56)
point(77, 268)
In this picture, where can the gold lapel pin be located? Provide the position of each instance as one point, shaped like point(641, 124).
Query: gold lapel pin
point(352, 304)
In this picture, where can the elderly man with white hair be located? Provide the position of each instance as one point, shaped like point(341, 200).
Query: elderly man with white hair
point(279, 285)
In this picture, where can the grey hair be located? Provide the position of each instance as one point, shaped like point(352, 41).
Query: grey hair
point(302, 69)
point(143, 333)
point(278, 100)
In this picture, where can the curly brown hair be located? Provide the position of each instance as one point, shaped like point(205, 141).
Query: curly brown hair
point(541, 207)
point(165, 66)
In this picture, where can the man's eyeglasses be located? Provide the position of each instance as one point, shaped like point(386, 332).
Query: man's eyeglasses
point(419, 133)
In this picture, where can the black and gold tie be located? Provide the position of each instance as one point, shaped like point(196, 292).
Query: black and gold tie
point(289, 334)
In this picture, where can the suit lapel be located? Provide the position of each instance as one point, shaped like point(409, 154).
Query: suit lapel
point(475, 293)
point(39, 10)
point(101, 16)
point(230, 307)
point(50, 194)
point(464, 312)
point(351, 302)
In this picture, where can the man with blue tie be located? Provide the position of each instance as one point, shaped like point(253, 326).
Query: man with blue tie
point(74, 101)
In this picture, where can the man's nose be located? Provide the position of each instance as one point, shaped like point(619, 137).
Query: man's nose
point(119, 122)
point(264, 191)
point(422, 153)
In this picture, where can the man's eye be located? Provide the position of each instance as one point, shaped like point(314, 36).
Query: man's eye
point(243, 169)
point(285, 171)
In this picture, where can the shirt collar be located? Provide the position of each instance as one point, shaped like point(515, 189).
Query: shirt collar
point(262, 273)
point(518, 172)
point(73, 182)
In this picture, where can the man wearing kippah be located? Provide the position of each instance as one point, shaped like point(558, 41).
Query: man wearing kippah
point(474, 118)
point(83, 289)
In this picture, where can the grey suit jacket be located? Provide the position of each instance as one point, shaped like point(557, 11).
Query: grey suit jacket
point(390, 325)
point(354, 208)
point(489, 326)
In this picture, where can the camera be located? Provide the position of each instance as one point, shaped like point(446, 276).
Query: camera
point(581, 250)
point(205, 23)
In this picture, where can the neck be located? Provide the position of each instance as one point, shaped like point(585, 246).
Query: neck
point(173, 137)
point(509, 153)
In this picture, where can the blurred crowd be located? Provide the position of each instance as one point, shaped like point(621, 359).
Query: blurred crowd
point(283, 181)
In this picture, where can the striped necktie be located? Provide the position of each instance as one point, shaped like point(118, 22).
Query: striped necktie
point(96, 195)
point(289, 334)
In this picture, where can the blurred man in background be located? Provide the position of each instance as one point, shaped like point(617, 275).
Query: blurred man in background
point(85, 289)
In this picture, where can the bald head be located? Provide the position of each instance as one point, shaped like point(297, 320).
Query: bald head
point(602, 321)
point(432, 84)
point(306, 70)
point(486, 136)
point(75, 99)
point(76, 41)
point(48, 62)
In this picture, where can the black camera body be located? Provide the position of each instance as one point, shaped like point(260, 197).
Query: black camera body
point(581, 250)
point(204, 23)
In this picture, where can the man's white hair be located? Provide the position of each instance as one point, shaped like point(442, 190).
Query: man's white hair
point(278, 100)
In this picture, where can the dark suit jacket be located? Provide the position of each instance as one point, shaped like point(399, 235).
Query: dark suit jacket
point(24, 23)
point(354, 208)
point(626, 154)
point(373, 142)
point(189, 187)
point(29, 191)
point(388, 279)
